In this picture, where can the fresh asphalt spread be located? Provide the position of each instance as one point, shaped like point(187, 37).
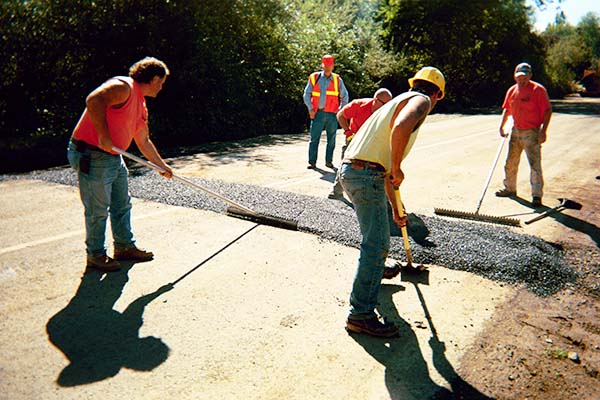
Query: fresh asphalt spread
point(496, 252)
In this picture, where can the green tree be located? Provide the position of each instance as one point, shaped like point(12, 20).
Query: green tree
point(347, 30)
point(589, 28)
point(570, 51)
point(56, 52)
point(476, 44)
point(229, 61)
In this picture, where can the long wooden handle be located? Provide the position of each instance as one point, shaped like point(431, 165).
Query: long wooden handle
point(558, 208)
point(404, 230)
point(181, 179)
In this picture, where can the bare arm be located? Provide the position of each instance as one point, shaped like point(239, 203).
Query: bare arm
point(143, 142)
point(344, 122)
point(111, 93)
point(542, 134)
point(505, 114)
point(389, 191)
point(411, 114)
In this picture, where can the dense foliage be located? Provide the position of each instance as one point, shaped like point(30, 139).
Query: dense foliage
point(475, 43)
point(238, 67)
point(571, 51)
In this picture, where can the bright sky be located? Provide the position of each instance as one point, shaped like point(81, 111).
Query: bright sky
point(573, 9)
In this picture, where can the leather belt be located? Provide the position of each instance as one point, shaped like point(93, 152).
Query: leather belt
point(362, 165)
point(81, 146)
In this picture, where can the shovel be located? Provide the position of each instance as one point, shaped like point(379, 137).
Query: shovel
point(409, 267)
point(564, 204)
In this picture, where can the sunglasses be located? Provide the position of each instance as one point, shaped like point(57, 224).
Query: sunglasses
point(381, 101)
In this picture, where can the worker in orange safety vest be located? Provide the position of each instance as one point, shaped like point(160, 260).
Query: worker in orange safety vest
point(324, 95)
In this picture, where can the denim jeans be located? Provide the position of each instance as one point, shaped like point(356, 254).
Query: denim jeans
point(337, 186)
point(104, 190)
point(367, 192)
point(322, 121)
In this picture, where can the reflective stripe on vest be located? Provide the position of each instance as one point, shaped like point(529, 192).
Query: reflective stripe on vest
point(332, 92)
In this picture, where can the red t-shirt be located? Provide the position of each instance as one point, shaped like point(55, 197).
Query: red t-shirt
point(527, 105)
point(124, 123)
point(357, 111)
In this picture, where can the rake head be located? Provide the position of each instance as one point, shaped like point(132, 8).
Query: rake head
point(262, 218)
point(478, 217)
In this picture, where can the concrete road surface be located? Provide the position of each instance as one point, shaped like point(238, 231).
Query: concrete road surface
point(258, 312)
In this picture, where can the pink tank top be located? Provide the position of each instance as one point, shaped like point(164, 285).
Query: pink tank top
point(124, 123)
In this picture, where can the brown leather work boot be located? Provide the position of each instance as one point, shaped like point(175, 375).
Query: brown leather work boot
point(506, 193)
point(133, 254)
point(103, 263)
point(392, 272)
point(373, 327)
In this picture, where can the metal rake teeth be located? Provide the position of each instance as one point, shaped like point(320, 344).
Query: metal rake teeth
point(478, 217)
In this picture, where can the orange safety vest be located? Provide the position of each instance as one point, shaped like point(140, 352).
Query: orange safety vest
point(332, 100)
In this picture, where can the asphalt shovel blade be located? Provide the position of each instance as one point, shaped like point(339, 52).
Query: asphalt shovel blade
point(570, 204)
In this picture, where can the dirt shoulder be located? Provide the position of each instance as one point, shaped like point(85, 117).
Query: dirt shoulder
point(542, 348)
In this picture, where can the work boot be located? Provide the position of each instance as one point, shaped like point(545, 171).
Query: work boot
point(133, 254)
point(329, 165)
point(536, 201)
point(103, 263)
point(372, 326)
point(311, 165)
point(392, 272)
point(506, 193)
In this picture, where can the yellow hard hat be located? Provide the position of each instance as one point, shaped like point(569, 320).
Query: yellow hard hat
point(430, 74)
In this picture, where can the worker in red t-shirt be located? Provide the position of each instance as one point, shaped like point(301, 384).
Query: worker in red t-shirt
point(351, 117)
point(528, 103)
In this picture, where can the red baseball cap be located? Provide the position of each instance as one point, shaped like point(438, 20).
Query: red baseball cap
point(327, 59)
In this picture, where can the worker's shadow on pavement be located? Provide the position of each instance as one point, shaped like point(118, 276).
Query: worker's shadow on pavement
point(577, 224)
point(97, 339)
point(327, 174)
point(406, 372)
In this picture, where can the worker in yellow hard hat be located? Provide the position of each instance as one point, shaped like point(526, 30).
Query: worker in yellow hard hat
point(371, 168)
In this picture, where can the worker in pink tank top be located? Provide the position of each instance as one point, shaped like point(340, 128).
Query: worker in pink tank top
point(115, 114)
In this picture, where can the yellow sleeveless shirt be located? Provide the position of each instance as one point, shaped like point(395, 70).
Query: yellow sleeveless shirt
point(372, 142)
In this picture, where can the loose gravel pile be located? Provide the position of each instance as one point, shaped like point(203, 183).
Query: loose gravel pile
point(492, 251)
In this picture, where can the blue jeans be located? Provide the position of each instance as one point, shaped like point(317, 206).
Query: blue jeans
point(337, 186)
point(104, 190)
point(322, 121)
point(366, 190)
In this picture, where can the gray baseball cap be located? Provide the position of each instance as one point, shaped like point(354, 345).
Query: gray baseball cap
point(523, 69)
